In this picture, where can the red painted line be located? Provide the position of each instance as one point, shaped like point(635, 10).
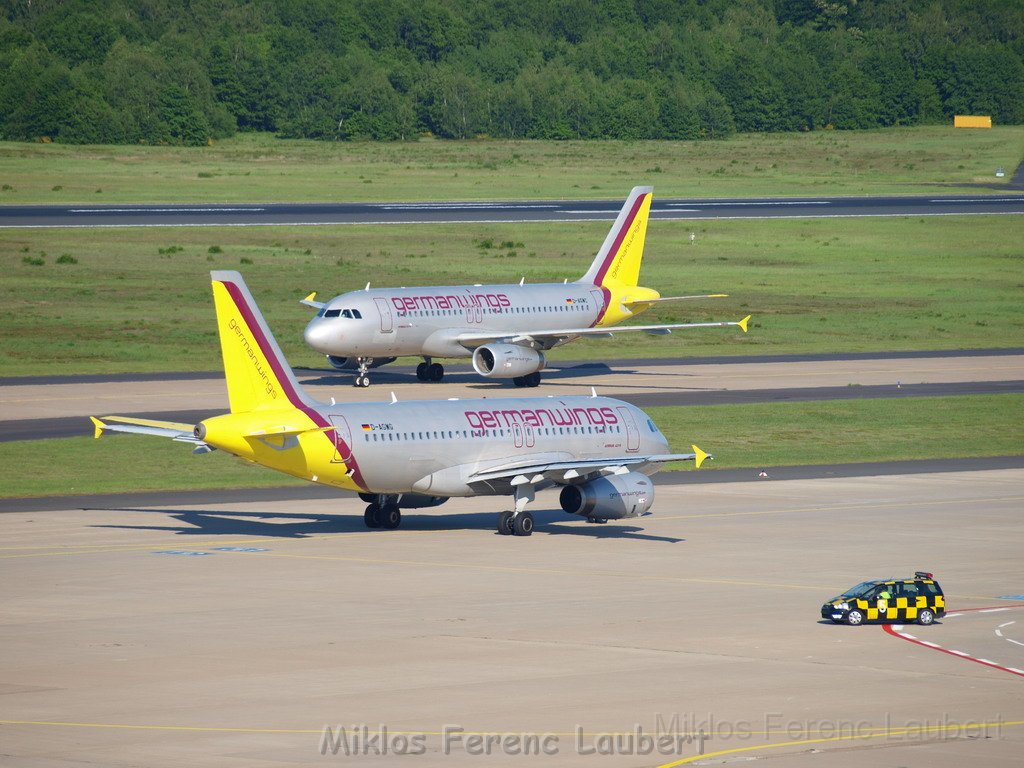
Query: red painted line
point(888, 628)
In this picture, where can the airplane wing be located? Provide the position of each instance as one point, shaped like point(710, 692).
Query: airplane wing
point(565, 471)
point(309, 302)
point(548, 338)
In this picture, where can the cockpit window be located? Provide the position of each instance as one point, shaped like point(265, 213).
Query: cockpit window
point(321, 312)
point(351, 314)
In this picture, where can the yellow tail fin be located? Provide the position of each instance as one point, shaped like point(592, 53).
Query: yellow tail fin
point(618, 261)
point(256, 372)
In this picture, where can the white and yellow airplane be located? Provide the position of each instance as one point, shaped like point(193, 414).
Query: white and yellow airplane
point(417, 454)
point(504, 328)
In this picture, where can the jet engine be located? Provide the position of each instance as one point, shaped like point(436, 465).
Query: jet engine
point(507, 361)
point(609, 498)
point(352, 363)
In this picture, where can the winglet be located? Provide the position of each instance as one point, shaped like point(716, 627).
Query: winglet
point(310, 301)
point(699, 456)
point(743, 323)
point(99, 426)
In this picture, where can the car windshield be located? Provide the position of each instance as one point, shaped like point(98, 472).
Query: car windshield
point(861, 589)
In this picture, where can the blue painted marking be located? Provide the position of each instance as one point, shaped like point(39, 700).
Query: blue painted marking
point(241, 549)
point(1010, 597)
point(181, 552)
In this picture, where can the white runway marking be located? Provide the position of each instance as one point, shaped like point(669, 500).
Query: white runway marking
point(980, 200)
point(993, 610)
point(166, 210)
point(764, 202)
point(1007, 624)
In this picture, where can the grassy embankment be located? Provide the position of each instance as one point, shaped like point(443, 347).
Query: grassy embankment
point(761, 435)
point(260, 168)
point(139, 300)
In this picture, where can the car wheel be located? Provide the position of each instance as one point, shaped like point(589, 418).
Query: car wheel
point(925, 616)
point(855, 618)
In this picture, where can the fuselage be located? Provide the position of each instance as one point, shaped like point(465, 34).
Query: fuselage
point(434, 448)
point(427, 321)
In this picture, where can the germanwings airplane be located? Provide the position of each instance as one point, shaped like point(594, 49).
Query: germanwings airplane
point(504, 328)
point(407, 455)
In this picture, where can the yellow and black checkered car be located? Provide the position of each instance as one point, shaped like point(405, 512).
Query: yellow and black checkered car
point(919, 599)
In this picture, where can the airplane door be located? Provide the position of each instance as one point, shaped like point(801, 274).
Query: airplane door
point(517, 434)
point(632, 433)
point(342, 439)
point(387, 324)
point(598, 302)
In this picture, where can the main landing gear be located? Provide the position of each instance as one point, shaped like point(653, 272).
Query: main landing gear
point(363, 377)
point(529, 380)
point(511, 524)
point(428, 371)
point(381, 512)
point(519, 522)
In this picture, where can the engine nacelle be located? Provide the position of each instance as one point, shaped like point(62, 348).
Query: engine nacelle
point(352, 364)
point(609, 498)
point(506, 361)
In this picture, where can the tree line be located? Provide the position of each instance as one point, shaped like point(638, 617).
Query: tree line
point(187, 71)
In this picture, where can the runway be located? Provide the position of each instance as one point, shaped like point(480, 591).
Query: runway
point(226, 633)
point(310, 214)
point(44, 407)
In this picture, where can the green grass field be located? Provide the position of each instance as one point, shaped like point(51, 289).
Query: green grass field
point(124, 300)
point(261, 168)
point(139, 299)
point(761, 435)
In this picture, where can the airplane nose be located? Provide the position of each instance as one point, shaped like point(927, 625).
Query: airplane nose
point(319, 336)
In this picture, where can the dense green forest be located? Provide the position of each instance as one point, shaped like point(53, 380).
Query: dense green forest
point(187, 71)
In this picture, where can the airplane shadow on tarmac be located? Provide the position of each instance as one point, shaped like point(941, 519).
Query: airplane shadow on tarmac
point(201, 522)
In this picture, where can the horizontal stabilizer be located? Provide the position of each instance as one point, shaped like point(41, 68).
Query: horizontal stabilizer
point(631, 302)
point(182, 433)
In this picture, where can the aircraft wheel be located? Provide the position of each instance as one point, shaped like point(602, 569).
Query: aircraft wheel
point(372, 516)
point(362, 381)
point(435, 372)
point(421, 372)
point(390, 516)
point(522, 525)
point(518, 381)
point(505, 523)
point(532, 379)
